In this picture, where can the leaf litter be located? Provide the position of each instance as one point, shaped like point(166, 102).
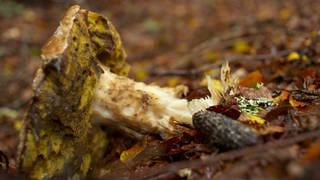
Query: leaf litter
point(279, 50)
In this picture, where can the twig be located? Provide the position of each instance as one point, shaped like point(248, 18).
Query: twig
point(225, 38)
point(173, 167)
point(218, 40)
point(215, 41)
point(194, 72)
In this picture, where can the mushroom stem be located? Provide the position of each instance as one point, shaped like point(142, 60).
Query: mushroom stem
point(145, 108)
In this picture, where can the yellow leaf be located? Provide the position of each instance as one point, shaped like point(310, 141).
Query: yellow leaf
point(216, 90)
point(132, 152)
point(241, 46)
point(305, 58)
point(211, 72)
point(141, 74)
point(194, 23)
point(284, 95)
point(212, 56)
point(296, 103)
point(293, 56)
point(284, 14)
point(174, 81)
point(18, 125)
point(215, 84)
point(255, 119)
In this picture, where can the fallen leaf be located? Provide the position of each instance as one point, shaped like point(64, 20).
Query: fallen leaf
point(141, 74)
point(284, 95)
point(132, 152)
point(293, 56)
point(253, 93)
point(212, 56)
point(276, 112)
point(225, 110)
point(252, 79)
point(295, 103)
point(241, 46)
point(174, 81)
point(198, 93)
point(313, 153)
point(251, 119)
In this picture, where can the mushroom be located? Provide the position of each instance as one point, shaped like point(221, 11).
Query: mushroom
point(81, 74)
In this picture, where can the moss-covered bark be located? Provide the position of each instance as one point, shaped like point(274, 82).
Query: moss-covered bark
point(60, 139)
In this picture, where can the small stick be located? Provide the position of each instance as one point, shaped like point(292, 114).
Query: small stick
point(194, 72)
point(173, 167)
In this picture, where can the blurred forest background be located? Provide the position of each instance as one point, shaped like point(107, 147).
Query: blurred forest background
point(163, 39)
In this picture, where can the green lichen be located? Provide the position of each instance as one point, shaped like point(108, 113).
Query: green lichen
point(61, 141)
point(253, 106)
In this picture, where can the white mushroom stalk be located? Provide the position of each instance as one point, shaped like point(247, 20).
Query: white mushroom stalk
point(141, 107)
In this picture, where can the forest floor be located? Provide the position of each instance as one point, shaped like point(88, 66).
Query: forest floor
point(178, 42)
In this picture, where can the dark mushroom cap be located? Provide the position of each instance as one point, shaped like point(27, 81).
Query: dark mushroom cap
point(223, 132)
